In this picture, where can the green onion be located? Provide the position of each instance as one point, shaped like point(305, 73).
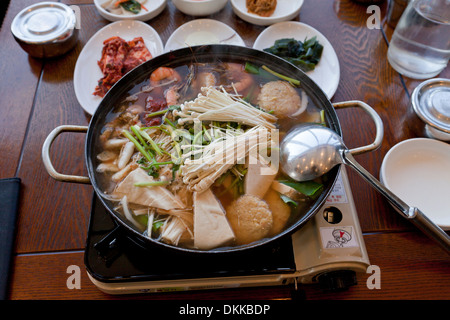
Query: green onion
point(157, 225)
point(135, 130)
point(152, 143)
point(291, 80)
point(194, 142)
point(170, 123)
point(288, 200)
point(151, 183)
point(222, 178)
point(152, 127)
point(137, 145)
point(156, 164)
point(251, 68)
point(175, 145)
point(207, 133)
point(163, 163)
point(157, 113)
point(322, 117)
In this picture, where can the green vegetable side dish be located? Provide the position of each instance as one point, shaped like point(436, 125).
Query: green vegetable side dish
point(305, 55)
point(132, 6)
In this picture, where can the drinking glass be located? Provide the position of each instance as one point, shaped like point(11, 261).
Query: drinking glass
point(420, 45)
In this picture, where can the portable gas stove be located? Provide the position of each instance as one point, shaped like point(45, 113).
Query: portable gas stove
point(328, 250)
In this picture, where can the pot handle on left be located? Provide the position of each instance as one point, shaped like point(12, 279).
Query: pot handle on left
point(376, 119)
point(46, 154)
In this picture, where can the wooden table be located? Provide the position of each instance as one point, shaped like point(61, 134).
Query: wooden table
point(38, 95)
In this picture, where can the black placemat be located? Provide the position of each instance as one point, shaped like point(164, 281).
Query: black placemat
point(9, 201)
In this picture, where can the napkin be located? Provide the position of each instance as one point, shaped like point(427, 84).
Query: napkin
point(9, 201)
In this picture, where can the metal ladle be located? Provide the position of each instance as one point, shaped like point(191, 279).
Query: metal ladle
point(309, 150)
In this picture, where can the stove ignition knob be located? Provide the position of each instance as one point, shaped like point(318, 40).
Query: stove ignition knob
point(339, 280)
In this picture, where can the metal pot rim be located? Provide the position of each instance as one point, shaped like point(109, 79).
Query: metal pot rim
point(200, 52)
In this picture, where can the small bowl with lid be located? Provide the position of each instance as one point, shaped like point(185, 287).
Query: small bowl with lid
point(46, 29)
point(199, 7)
point(429, 112)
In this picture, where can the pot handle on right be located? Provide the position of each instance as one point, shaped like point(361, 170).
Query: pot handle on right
point(46, 154)
point(376, 119)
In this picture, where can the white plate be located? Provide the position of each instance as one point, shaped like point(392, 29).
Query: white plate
point(87, 72)
point(285, 10)
point(418, 172)
point(154, 7)
point(202, 31)
point(327, 71)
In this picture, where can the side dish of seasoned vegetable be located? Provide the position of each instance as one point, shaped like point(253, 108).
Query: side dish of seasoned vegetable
point(303, 54)
point(124, 6)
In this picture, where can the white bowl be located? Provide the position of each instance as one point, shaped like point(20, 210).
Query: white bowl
point(87, 73)
point(285, 10)
point(199, 7)
point(418, 172)
point(327, 72)
point(201, 32)
point(154, 7)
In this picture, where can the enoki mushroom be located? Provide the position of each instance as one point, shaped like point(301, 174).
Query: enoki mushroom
point(215, 105)
point(204, 165)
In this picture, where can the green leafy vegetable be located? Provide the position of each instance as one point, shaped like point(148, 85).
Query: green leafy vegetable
point(142, 219)
point(250, 68)
point(267, 73)
point(288, 200)
point(291, 80)
point(132, 6)
point(305, 55)
point(157, 225)
point(311, 189)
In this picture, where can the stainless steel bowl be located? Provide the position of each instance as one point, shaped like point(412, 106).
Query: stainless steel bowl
point(45, 29)
point(429, 111)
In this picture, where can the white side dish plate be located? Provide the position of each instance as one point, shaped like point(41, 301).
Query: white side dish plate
point(202, 32)
point(87, 72)
point(418, 172)
point(154, 8)
point(285, 10)
point(327, 72)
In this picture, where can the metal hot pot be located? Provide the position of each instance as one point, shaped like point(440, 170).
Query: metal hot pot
point(208, 53)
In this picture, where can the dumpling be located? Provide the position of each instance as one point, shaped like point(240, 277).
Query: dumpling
point(250, 218)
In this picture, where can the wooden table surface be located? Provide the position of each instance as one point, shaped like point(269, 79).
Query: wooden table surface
point(38, 95)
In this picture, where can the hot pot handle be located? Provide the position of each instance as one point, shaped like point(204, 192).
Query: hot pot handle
point(46, 154)
point(376, 119)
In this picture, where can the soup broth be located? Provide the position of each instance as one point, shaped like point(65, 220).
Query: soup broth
point(190, 155)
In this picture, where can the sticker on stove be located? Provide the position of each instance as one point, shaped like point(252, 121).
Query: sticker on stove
point(338, 237)
point(338, 194)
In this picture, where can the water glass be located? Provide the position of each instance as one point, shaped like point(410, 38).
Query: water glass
point(420, 45)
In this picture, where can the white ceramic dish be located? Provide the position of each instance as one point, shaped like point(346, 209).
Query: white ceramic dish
point(285, 10)
point(199, 8)
point(418, 172)
point(327, 71)
point(87, 73)
point(200, 32)
point(154, 7)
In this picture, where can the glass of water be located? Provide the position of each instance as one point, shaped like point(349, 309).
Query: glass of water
point(420, 45)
